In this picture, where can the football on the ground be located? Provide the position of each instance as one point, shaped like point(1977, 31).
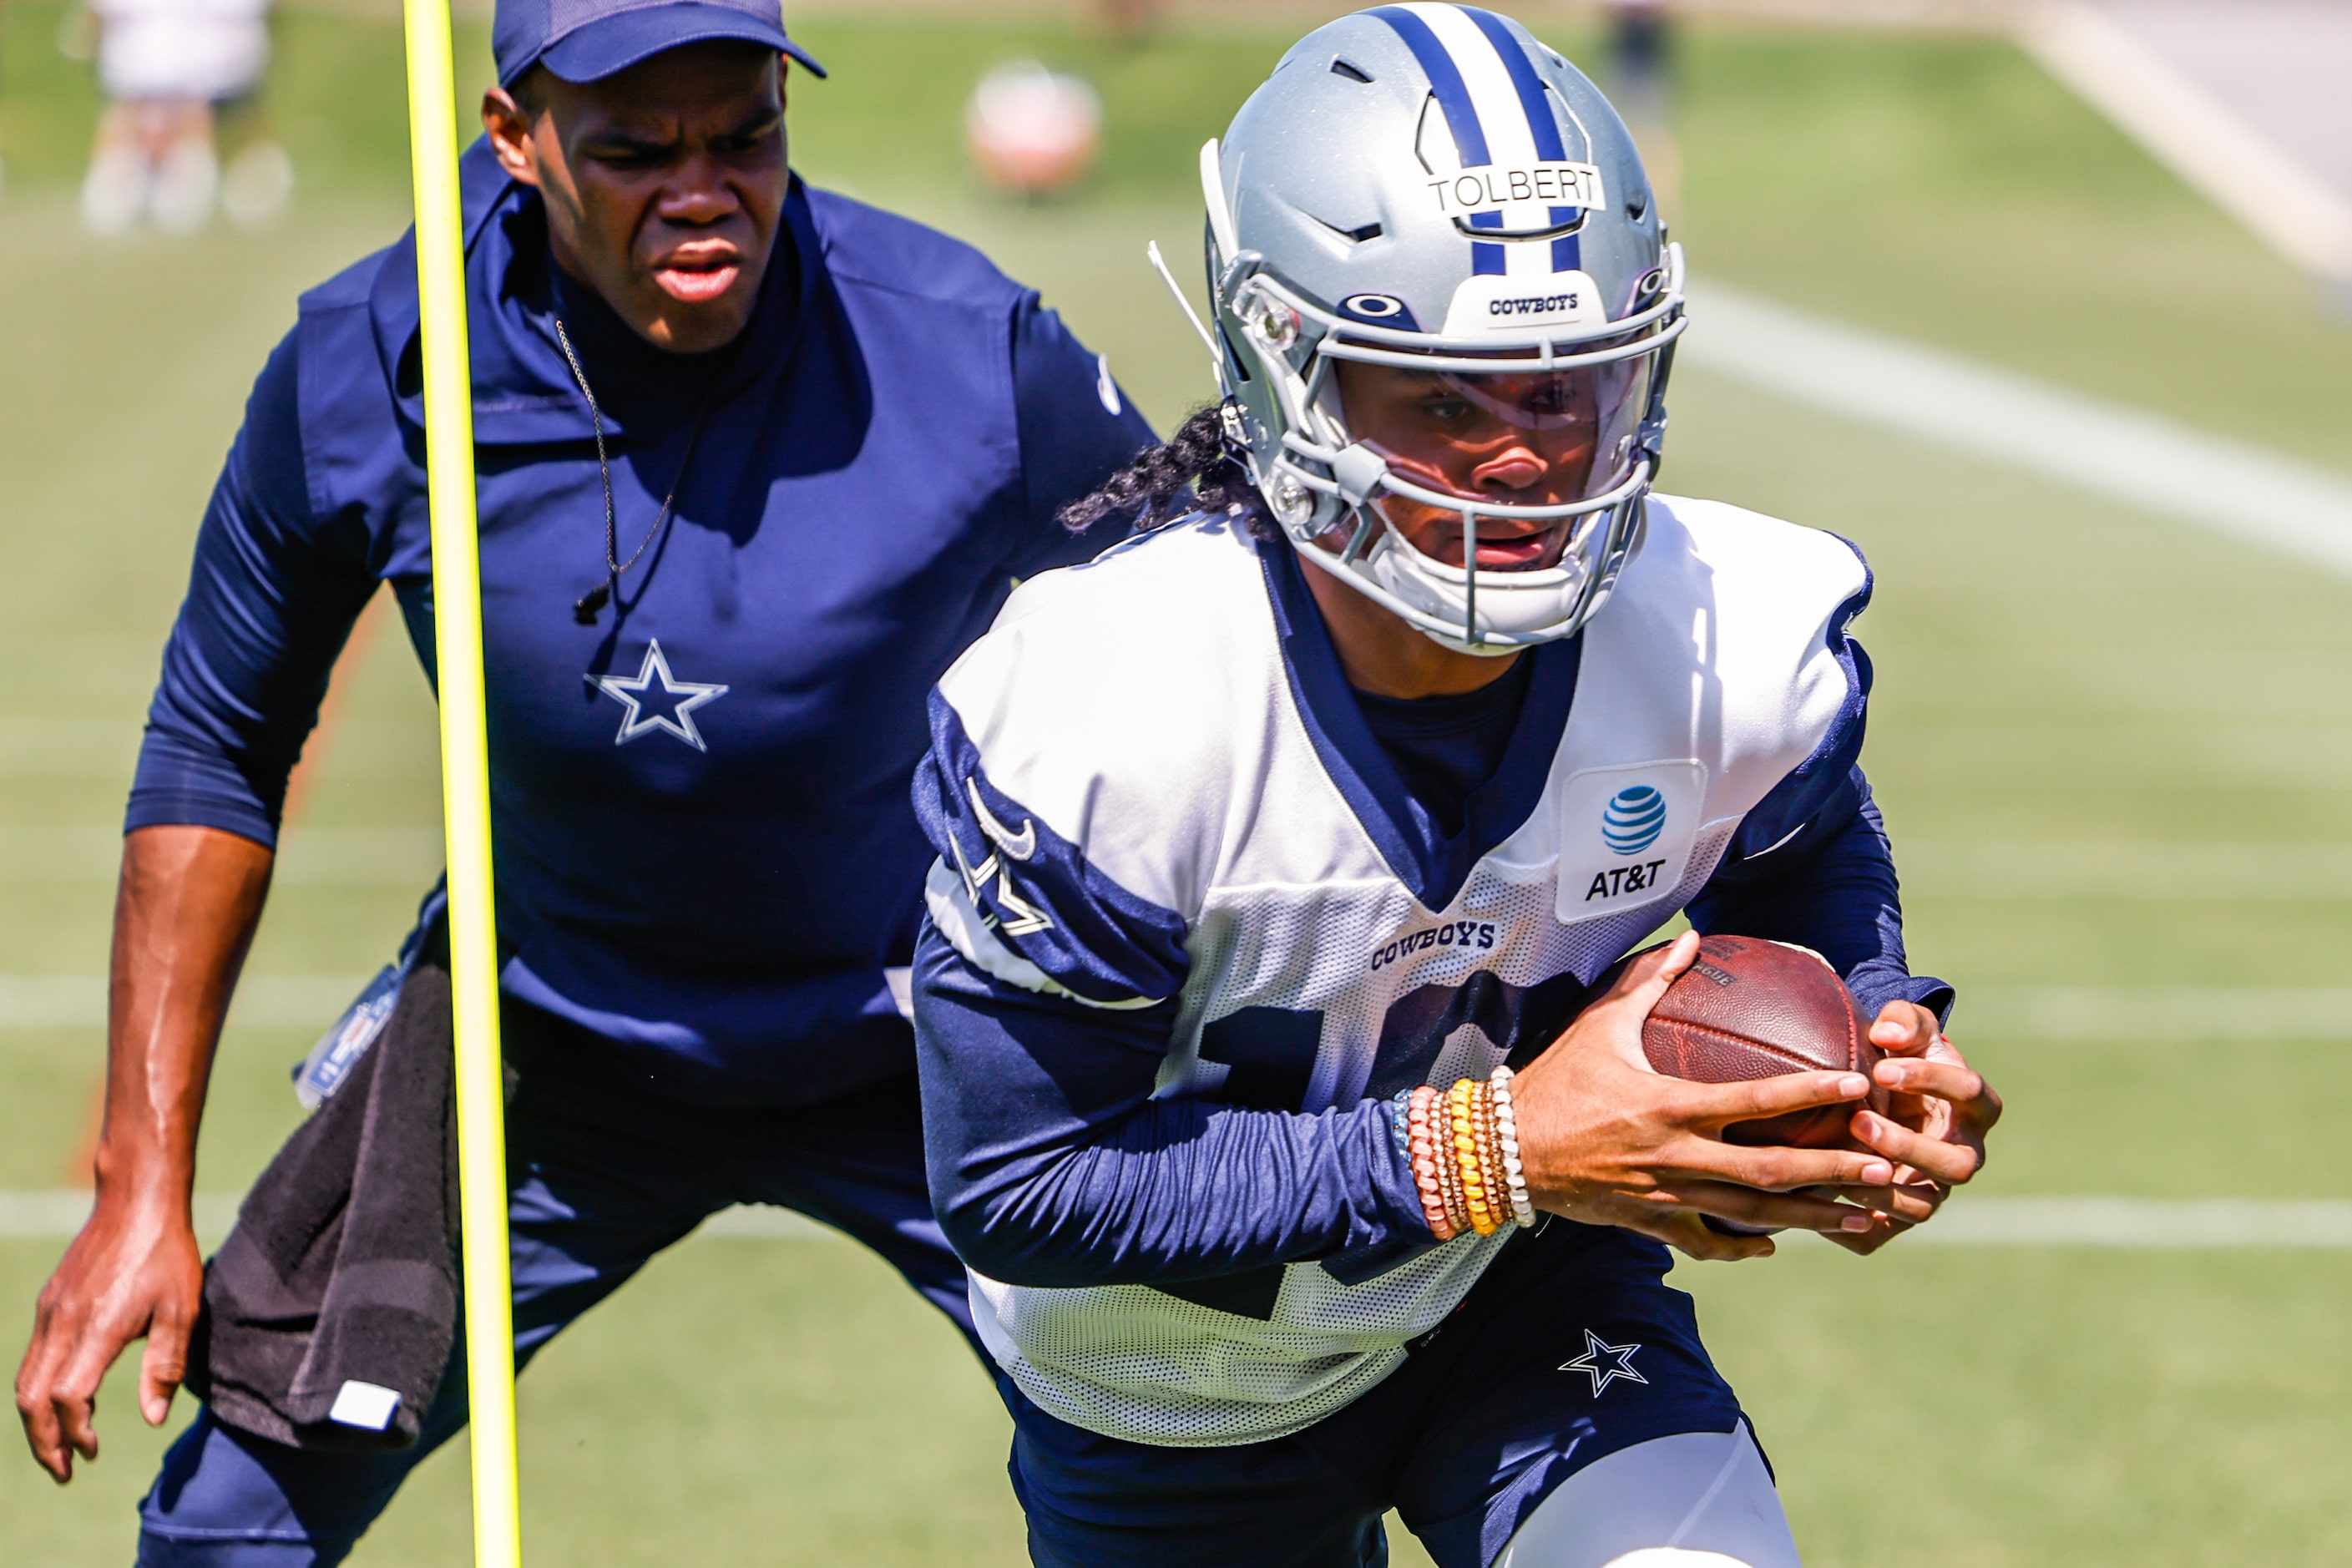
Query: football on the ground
point(1749, 1009)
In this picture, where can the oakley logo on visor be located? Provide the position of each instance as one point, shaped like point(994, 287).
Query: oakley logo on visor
point(1379, 310)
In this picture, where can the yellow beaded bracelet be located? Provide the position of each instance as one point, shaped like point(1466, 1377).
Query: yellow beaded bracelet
point(1462, 1114)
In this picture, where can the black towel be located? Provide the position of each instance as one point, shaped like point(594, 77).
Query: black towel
point(342, 1269)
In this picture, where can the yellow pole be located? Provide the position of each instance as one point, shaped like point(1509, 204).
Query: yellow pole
point(465, 782)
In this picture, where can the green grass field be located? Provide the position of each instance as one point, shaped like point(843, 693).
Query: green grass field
point(2053, 670)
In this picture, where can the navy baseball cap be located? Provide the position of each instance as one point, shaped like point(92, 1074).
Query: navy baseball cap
point(588, 40)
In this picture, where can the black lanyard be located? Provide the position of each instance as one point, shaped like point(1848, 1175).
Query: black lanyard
point(584, 610)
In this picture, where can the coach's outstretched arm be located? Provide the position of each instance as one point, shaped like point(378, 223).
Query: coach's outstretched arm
point(185, 916)
point(272, 597)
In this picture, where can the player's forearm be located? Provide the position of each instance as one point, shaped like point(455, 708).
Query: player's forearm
point(184, 917)
point(1052, 1164)
point(1181, 1190)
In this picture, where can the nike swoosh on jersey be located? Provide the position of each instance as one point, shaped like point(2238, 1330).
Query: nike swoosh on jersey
point(1016, 846)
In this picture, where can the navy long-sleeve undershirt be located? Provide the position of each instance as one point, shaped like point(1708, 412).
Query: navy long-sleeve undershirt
point(1052, 1165)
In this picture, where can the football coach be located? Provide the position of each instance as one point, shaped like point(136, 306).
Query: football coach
point(756, 462)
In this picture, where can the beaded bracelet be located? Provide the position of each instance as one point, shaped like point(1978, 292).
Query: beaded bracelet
point(1424, 1167)
point(1506, 1173)
point(1464, 1146)
point(1449, 1163)
point(1489, 1200)
point(1419, 1109)
point(1463, 1104)
point(1450, 1143)
point(1490, 1155)
point(1507, 1141)
point(1441, 1174)
point(1507, 1137)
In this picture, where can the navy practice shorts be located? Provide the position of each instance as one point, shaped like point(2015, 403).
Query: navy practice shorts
point(604, 1176)
point(1569, 1348)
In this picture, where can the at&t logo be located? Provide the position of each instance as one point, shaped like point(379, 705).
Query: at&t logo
point(1633, 820)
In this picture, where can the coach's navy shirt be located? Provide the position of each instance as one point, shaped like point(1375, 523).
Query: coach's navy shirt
point(706, 851)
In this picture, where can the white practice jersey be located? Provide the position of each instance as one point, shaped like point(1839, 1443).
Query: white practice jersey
point(213, 49)
point(1170, 798)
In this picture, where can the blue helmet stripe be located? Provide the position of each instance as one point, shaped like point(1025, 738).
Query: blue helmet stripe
point(1486, 258)
point(1567, 255)
point(1444, 80)
point(1541, 122)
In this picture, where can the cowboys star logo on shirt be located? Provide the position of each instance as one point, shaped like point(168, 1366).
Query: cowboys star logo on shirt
point(657, 701)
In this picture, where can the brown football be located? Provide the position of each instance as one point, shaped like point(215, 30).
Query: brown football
point(1751, 1008)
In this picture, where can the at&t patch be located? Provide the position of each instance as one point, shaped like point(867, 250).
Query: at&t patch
point(1626, 835)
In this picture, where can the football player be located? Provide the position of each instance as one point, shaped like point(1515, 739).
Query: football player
point(1273, 841)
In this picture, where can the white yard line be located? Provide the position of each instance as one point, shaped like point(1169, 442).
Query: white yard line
point(2156, 1223)
point(56, 1214)
point(2196, 134)
point(2154, 1014)
point(2126, 454)
point(263, 1001)
point(2169, 1224)
point(306, 857)
point(2003, 869)
point(2038, 872)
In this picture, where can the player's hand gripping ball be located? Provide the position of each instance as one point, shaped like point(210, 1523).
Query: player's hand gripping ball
point(1751, 1008)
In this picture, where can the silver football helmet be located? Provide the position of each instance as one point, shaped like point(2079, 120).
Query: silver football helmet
point(1427, 188)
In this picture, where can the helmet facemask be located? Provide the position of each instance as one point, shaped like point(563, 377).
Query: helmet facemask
point(1585, 403)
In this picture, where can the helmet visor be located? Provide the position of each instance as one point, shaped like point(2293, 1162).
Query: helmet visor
point(1512, 436)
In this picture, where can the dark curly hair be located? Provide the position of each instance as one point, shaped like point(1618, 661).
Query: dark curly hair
point(1196, 469)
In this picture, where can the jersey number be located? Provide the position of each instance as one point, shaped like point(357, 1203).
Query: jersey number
point(1268, 1053)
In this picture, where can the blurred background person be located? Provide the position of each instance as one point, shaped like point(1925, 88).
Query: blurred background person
point(166, 67)
point(1641, 59)
point(1127, 22)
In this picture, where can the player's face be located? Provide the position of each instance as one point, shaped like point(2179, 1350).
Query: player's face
point(663, 184)
point(1525, 438)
